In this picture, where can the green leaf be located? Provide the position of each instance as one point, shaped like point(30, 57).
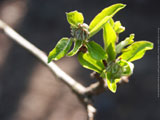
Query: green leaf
point(111, 21)
point(98, 22)
point(117, 80)
point(60, 50)
point(88, 62)
point(109, 37)
point(114, 69)
point(127, 67)
point(74, 18)
point(124, 43)
point(118, 27)
point(77, 45)
point(112, 86)
point(111, 52)
point(96, 51)
point(111, 83)
point(136, 50)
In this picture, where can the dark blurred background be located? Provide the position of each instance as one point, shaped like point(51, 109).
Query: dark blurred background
point(28, 90)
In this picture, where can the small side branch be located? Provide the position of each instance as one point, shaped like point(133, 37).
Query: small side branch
point(98, 87)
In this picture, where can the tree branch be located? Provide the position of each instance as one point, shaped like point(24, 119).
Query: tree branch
point(91, 112)
point(84, 93)
point(75, 86)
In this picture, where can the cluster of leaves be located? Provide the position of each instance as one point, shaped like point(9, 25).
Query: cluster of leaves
point(111, 62)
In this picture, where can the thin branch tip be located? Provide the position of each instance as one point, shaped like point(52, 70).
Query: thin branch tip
point(91, 112)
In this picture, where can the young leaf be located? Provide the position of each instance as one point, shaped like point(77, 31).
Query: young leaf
point(103, 17)
point(136, 50)
point(60, 50)
point(109, 35)
point(74, 18)
point(118, 27)
point(112, 86)
point(110, 38)
point(127, 67)
point(111, 21)
point(124, 43)
point(121, 29)
point(77, 45)
point(96, 51)
point(114, 70)
point(117, 80)
point(111, 52)
point(111, 83)
point(88, 62)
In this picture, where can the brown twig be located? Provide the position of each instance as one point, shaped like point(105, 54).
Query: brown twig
point(98, 87)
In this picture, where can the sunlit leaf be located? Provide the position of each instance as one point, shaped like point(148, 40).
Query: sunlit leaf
point(114, 70)
point(88, 62)
point(96, 51)
point(112, 86)
point(60, 50)
point(136, 50)
point(124, 43)
point(118, 27)
point(111, 52)
point(117, 80)
point(109, 37)
point(77, 45)
point(111, 21)
point(74, 18)
point(127, 67)
point(121, 29)
point(111, 83)
point(98, 22)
